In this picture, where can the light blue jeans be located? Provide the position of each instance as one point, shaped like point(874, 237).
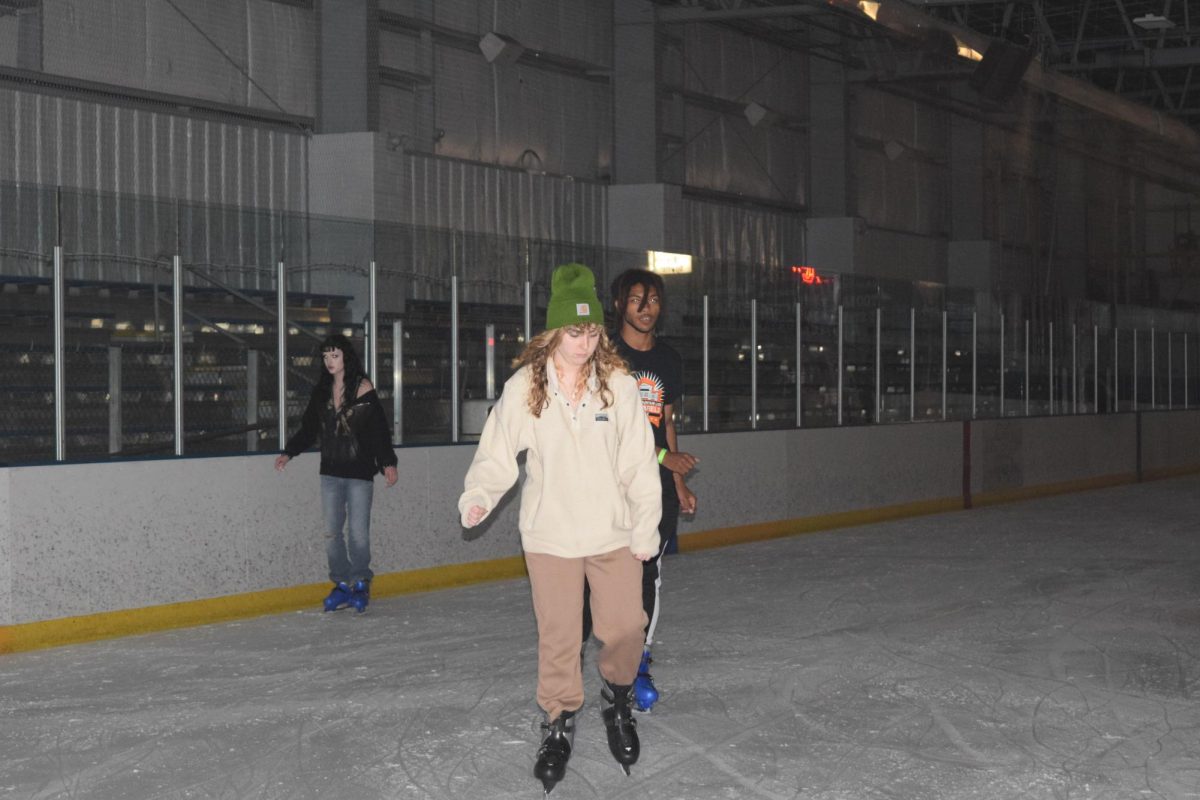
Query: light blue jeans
point(349, 555)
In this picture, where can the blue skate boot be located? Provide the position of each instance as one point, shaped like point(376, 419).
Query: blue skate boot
point(644, 693)
point(360, 595)
point(339, 597)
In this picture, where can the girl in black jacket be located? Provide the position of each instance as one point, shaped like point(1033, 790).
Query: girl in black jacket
point(345, 413)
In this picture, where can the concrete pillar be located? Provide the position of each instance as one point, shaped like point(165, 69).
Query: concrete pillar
point(348, 83)
point(829, 190)
point(635, 92)
point(971, 260)
point(342, 168)
point(646, 217)
point(834, 244)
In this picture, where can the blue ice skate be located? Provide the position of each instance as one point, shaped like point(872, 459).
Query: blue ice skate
point(644, 693)
point(339, 597)
point(360, 595)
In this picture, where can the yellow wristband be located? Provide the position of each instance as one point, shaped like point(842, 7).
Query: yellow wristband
point(662, 454)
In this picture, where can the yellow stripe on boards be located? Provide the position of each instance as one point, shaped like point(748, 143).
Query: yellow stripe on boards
point(1051, 489)
point(1162, 473)
point(112, 624)
point(742, 534)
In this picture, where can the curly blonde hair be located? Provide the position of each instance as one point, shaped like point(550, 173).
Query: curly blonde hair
point(541, 347)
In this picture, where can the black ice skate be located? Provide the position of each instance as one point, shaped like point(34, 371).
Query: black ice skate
point(620, 724)
point(555, 751)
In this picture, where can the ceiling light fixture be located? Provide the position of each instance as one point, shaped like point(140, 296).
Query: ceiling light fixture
point(1153, 22)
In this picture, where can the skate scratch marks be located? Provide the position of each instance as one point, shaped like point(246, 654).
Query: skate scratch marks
point(695, 750)
point(978, 760)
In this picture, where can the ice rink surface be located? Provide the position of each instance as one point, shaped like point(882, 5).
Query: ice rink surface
point(1047, 649)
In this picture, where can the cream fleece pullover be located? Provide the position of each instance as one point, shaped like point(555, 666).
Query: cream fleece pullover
point(591, 478)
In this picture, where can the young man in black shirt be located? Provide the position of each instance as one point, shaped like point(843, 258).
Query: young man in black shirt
point(639, 301)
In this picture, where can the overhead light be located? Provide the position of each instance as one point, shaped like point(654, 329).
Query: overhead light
point(965, 50)
point(497, 48)
point(871, 9)
point(1153, 22)
point(668, 263)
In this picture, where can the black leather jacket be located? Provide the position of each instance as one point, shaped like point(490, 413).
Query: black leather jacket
point(355, 440)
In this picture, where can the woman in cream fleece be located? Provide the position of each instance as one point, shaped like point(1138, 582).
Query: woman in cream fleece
point(590, 506)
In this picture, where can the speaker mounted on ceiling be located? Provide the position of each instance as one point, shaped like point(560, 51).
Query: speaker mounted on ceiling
point(999, 73)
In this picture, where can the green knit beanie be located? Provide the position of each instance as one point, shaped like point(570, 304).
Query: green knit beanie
point(573, 299)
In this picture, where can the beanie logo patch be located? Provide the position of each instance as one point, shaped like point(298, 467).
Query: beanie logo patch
point(582, 309)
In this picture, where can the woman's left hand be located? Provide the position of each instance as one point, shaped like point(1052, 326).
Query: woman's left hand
point(390, 475)
point(643, 556)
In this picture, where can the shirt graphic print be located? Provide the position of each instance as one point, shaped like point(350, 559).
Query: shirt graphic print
point(653, 395)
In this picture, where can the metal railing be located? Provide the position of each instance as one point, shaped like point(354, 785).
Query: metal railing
point(440, 315)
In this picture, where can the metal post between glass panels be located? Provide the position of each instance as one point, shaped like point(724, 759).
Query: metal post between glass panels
point(115, 433)
point(454, 358)
point(878, 365)
point(1003, 365)
point(1136, 398)
point(945, 379)
point(1074, 370)
point(1096, 369)
point(177, 347)
point(528, 312)
point(974, 362)
point(841, 367)
point(912, 364)
point(1116, 370)
point(490, 360)
point(1050, 369)
point(1170, 374)
point(373, 325)
point(1153, 377)
point(704, 369)
point(60, 374)
point(753, 364)
point(281, 349)
point(398, 382)
point(799, 370)
point(1185, 372)
point(251, 400)
point(1025, 388)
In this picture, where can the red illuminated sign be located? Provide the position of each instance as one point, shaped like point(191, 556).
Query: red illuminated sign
point(808, 275)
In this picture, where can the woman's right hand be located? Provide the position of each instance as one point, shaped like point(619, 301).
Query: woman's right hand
point(281, 461)
point(474, 515)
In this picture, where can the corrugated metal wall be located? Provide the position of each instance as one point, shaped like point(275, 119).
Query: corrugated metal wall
point(253, 53)
point(901, 151)
point(497, 226)
point(460, 195)
point(711, 144)
point(121, 171)
point(553, 119)
point(741, 235)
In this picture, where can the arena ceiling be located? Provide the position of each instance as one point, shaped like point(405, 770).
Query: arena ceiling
point(1144, 51)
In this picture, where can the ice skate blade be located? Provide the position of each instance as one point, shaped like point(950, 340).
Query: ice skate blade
point(625, 769)
point(548, 787)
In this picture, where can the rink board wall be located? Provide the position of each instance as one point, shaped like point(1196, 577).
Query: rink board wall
point(92, 539)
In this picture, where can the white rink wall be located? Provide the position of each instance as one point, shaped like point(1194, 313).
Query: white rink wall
point(91, 538)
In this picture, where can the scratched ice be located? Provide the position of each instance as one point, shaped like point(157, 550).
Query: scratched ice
point(1041, 650)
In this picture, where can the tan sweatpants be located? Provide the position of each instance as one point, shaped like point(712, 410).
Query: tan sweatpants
point(618, 621)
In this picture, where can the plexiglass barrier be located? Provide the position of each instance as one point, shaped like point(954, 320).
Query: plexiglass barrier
point(135, 327)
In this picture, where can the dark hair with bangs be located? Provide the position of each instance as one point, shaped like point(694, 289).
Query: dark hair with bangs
point(351, 361)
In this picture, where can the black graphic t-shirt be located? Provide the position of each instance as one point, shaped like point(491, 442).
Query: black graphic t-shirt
point(659, 375)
